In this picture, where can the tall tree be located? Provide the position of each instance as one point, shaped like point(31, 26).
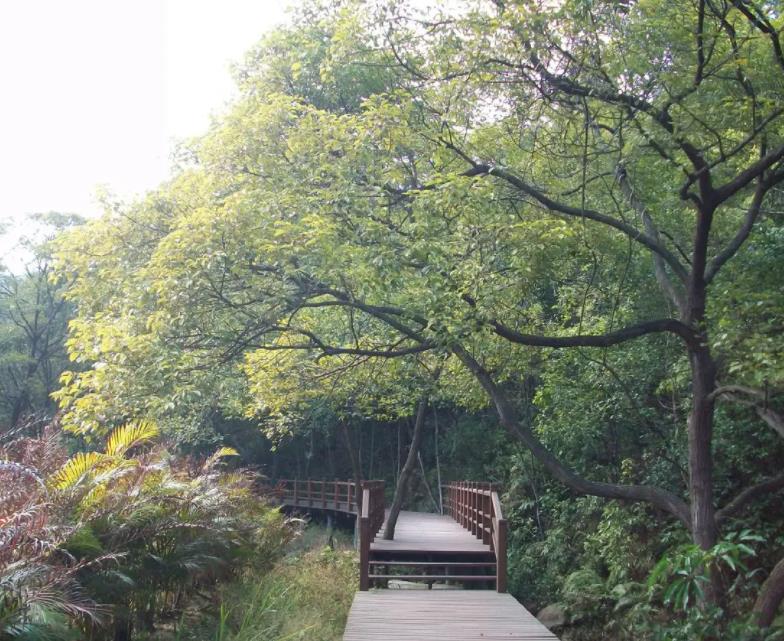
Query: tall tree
point(33, 324)
point(580, 176)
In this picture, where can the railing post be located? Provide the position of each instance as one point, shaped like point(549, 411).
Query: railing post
point(296, 493)
point(364, 542)
point(324, 493)
point(486, 518)
point(310, 493)
point(459, 502)
point(466, 523)
point(474, 509)
point(500, 556)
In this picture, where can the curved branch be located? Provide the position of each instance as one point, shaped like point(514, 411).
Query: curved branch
point(658, 497)
point(589, 214)
point(761, 22)
point(771, 595)
point(748, 495)
point(745, 229)
point(599, 340)
point(749, 174)
point(760, 404)
point(650, 229)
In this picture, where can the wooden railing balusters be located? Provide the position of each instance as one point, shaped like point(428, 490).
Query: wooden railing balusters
point(341, 496)
point(477, 508)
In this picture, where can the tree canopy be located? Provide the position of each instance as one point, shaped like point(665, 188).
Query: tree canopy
point(497, 190)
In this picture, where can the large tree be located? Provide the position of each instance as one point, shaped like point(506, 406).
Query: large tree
point(580, 176)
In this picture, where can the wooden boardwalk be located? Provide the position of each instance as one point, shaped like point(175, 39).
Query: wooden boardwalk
point(426, 532)
point(459, 615)
point(467, 546)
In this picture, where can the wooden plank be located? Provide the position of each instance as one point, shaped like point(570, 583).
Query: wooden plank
point(470, 615)
point(425, 532)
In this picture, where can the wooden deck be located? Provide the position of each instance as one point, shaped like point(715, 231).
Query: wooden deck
point(470, 615)
point(467, 546)
point(429, 533)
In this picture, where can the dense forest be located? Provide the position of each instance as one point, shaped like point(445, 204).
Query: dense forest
point(535, 243)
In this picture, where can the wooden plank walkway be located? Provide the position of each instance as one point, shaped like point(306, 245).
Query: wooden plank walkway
point(465, 546)
point(453, 615)
point(426, 532)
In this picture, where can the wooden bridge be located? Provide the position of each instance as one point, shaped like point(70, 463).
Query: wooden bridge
point(466, 547)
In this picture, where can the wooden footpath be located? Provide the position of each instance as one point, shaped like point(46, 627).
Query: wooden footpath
point(466, 546)
point(427, 532)
point(450, 615)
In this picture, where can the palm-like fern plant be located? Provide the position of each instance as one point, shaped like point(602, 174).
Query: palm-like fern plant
point(39, 593)
point(129, 526)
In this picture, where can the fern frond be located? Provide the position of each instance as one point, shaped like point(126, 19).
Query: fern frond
point(76, 469)
point(130, 435)
point(219, 454)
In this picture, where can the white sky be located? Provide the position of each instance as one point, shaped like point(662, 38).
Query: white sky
point(95, 92)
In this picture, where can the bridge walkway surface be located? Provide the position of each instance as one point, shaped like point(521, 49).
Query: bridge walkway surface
point(447, 615)
point(441, 554)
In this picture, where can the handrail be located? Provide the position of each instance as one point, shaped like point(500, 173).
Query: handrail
point(342, 496)
point(339, 496)
point(370, 520)
point(477, 507)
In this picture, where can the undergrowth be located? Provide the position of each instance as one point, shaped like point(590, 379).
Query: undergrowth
point(306, 595)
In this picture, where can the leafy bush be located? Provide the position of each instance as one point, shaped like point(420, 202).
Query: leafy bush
point(684, 573)
point(115, 540)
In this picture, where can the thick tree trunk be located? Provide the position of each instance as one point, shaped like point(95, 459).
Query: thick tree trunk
point(704, 528)
point(770, 596)
point(703, 512)
point(401, 490)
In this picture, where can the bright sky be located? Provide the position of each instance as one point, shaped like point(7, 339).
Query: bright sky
point(95, 93)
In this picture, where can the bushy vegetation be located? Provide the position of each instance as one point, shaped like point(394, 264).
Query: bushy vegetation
point(105, 542)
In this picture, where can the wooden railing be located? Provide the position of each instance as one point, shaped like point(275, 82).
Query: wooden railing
point(370, 520)
point(340, 496)
point(367, 503)
point(477, 508)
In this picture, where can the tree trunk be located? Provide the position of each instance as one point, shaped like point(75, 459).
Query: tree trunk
point(401, 490)
point(770, 596)
point(438, 461)
point(426, 484)
point(355, 469)
point(704, 529)
point(372, 449)
point(703, 512)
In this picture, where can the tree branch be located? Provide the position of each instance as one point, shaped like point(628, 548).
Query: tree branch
point(658, 262)
point(656, 496)
point(599, 340)
point(577, 212)
point(748, 495)
point(741, 235)
point(749, 174)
